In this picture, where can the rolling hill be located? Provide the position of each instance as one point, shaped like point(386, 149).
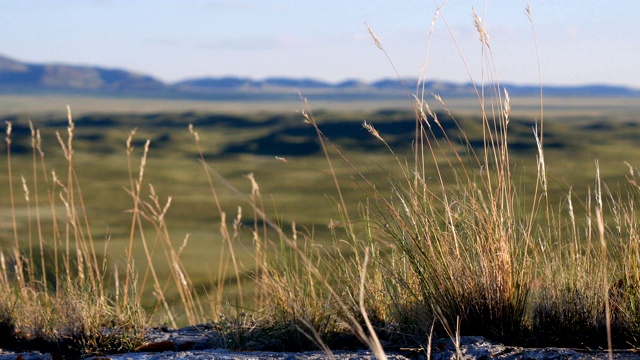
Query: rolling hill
point(23, 77)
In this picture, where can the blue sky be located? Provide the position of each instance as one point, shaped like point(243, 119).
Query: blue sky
point(580, 41)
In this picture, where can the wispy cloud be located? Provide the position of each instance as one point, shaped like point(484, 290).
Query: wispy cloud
point(231, 4)
point(164, 42)
point(254, 43)
point(240, 4)
point(250, 43)
point(572, 31)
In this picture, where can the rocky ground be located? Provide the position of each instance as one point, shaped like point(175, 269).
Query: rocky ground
point(195, 343)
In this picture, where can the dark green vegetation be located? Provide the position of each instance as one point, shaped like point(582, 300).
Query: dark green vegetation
point(462, 236)
point(237, 145)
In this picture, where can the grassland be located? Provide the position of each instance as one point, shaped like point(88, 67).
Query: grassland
point(293, 226)
point(558, 107)
point(311, 228)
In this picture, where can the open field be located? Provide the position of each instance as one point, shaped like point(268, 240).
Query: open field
point(239, 144)
point(561, 107)
point(297, 189)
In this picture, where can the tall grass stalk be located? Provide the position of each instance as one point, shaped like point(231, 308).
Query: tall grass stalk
point(153, 211)
point(229, 237)
point(470, 251)
point(55, 296)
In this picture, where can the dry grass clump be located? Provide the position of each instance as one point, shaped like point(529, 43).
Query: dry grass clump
point(58, 295)
point(70, 323)
point(589, 287)
point(458, 247)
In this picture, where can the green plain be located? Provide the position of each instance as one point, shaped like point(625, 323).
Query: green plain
point(299, 190)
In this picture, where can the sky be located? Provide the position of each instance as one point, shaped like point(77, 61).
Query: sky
point(578, 41)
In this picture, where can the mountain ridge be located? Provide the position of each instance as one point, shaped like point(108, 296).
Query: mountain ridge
point(24, 77)
point(54, 76)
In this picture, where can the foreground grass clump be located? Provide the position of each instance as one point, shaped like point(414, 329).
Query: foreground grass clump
point(459, 246)
point(69, 324)
point(56, 294)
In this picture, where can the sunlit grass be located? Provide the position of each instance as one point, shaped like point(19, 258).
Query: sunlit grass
point(379, 234)
point(365, 230)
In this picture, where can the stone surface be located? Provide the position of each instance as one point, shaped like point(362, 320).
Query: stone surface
point(195, 342)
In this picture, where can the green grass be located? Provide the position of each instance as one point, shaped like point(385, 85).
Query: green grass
point(51, 104)
point(297, 229)
point(298, 267)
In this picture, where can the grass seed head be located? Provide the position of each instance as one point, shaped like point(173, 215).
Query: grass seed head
point(484, 36)
point(8, 138)
point(372, 130)
point(374, 37)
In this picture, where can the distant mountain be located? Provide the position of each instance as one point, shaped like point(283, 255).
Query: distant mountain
point(245, 83)
point(584, 90)
point(395, 84)
point(216, 83)
point(296, 83)
point(390, 87)
point(352, 83)
point(16, 76)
